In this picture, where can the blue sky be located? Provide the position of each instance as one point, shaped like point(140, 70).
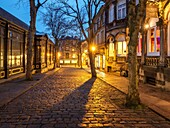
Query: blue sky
point(21, 11)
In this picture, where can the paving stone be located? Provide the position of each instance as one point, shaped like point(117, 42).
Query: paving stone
point(71, 98)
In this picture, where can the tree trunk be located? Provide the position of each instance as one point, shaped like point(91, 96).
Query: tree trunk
point(136, 16)
point(91, 54)
point(132, 99)
point(31, 40)
point(92, 64)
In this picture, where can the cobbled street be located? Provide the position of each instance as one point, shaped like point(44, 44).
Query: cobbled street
point(71, 98)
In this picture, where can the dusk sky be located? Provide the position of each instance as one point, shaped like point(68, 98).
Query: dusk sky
point(21, 11)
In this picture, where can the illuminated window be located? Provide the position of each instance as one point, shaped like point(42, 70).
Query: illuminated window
point(1, 48)
point(139, 48)
point(74, 55)
point(153, 38)
point(43, 51)
point(168, 34)
point(121, 48)
point(154, 41)
point(15, 49)
point(111, 49)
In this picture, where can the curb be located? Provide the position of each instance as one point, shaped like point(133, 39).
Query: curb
point(30, 87)
point(154, 109)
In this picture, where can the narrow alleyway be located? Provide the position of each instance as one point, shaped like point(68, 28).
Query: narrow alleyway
point(71, 98)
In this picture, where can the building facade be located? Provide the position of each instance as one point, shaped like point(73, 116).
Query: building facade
point(153, 49)
point(99, 39)
point(68, 51)
point(13, 39)
point(154, 45)
point(13, 47)
point(44, 53)
point(116, 33)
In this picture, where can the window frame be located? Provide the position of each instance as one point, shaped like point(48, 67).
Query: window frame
point(120, 8)
point(124, 50)
point(111, 13)
point(149, 52)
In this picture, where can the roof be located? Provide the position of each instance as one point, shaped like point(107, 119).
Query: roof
point(6, 15)
point(69, 38)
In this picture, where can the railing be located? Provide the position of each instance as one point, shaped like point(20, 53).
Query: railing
point(168, 61)
point(116, 23)
point(152, 61)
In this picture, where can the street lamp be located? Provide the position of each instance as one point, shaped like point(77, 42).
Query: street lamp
point(93, 48)
point(146, 26)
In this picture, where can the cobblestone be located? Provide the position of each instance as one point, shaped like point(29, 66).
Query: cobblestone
point(71, 98)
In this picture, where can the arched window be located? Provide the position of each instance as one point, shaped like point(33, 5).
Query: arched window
point(121, 45)
point(153, 38)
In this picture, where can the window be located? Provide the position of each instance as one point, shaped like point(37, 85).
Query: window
point(111, 13)
point(111, 48)
point(139, 48)
point(153, 38)
point(15, 51)
point(121, 10)
point(49, 53)
point(97, 61)
point(102, 37)
point(137, 2)
point(103, 18)
point(104, 60)
point(1, 47)
point(168, 33)
point(98, 39)
point(98, 23)
point(74, 56)
point(67, 55)
point(43, 51)
point(121, 48)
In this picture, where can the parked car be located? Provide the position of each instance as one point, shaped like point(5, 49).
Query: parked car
point(124, 70)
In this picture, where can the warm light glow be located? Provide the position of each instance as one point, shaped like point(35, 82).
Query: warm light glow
point(85, 51)
point(146, 26)
point(59, 54)
point(74, 56)
point(93, 48)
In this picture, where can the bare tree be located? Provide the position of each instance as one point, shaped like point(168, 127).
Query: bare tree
point(34, 6)
point(59, 25)
point(136, 16)
point(84, 13)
